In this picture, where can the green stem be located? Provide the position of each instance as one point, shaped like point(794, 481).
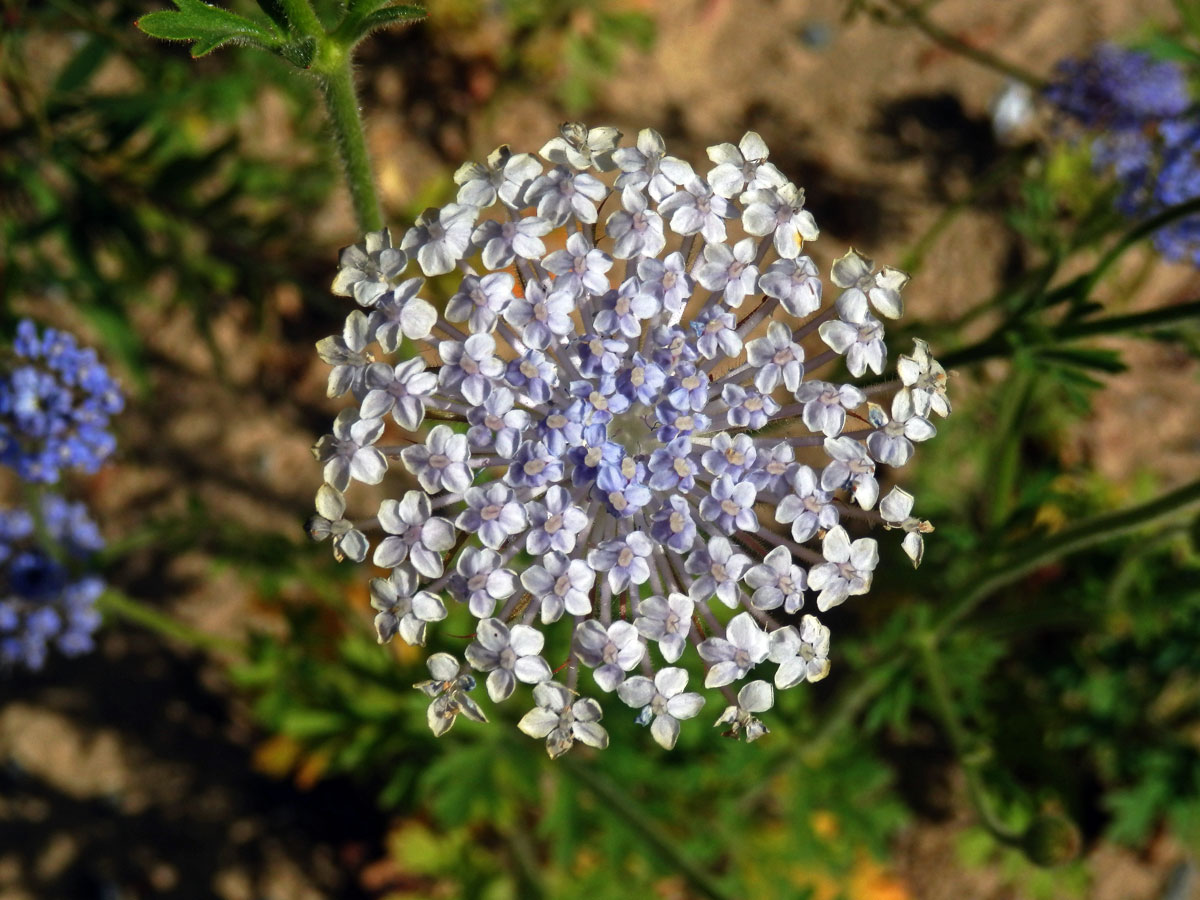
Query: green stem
point(915, 257)
point(1081, 288)
point(618, 800)
point(1019, 563)
point(916, 16)
point(1133, 237)
point(1032, 556)
point(341, 101)
point(996, 345)
point(301, 16)
point(970, 757)
point(114, 603)
point(1164, 315)
point(1004, 456)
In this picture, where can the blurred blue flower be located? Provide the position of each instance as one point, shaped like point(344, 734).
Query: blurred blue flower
point(1147, 135)
point(55, 402)
point(45, 601)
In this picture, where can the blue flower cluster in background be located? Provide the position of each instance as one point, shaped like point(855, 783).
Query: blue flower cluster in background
point(55, 404)
point(44, 602)
point(56, 399)
point(1149, 134)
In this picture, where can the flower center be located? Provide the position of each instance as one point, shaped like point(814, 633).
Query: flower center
point(489, 513)
point(635, 431)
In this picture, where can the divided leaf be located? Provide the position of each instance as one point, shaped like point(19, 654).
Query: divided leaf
point(208, 27)
point(367, 16)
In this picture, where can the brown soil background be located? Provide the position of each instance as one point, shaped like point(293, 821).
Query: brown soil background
point(883, 129)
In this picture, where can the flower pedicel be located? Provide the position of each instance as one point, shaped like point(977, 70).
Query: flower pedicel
point(620, 441)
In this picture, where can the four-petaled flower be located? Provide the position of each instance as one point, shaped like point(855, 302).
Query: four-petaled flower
point(803, 655)
point(662, 703)
point(611, 651)
point(403, 609)
point(847, 570)
point(562, 722)
point(508, 655)
point(744, 646)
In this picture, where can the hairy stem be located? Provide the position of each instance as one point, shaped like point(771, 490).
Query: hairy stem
point(341, 101)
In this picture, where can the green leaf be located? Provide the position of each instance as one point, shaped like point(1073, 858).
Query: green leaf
point(299, 53)
point(209, 27)
point(367, 16)
point(1164, 47)
point(1089, 358)
point(83, 65)
point(311, 723)
point(276, 11)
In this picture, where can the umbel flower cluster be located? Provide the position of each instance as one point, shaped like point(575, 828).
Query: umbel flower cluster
point(614, 436)
point(1146, 133)
point(56, 399)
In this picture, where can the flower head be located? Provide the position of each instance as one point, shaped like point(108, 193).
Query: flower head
point(621, 439)
point(45, 600)
point(1144, 131)
point(56, 399)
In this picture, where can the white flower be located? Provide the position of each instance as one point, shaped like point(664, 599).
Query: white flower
point(662, 703)
point(416, 534)
point(611, 652)
point(448, 688)
point(403, 609)
point(597, 435)
point(581, 147)
point(896, 509)
point(754, 697)
point(925, 379)
point(777, 581)
point(744, 646)
point(882, 289)
point(891, 444)
point(562, 722)
point(441, 237)
point(329, 522)
point(803, 655)
point(667, 621)
point(847, 571)
point(508, 655)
